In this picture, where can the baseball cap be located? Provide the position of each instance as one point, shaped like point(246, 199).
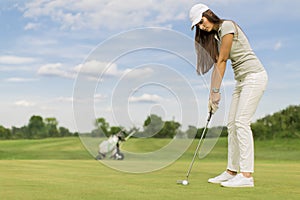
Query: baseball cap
point(196, 13)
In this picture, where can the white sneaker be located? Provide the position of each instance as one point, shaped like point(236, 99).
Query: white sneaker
point(225, 176)
point(239, 181)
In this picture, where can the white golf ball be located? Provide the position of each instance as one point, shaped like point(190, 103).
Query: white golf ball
point(185, 182)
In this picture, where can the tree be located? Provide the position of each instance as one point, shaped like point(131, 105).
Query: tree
point(155, 127)
point(218, 131)
point(36, 128)
point(169, 130)
point(152, 126)
point(114, 130)
point(19, 133)
point(51, 127)
point(63, 132)
point(5, 133)
point(282, 124)
point(102, 127)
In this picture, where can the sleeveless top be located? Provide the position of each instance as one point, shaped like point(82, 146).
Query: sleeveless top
point(243, 59)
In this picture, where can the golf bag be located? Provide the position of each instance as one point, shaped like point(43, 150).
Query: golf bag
point(111, 147)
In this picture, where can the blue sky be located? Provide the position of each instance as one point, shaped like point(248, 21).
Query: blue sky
point(47, 46)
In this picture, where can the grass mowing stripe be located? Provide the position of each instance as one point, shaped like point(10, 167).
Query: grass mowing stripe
point(72, 148)
point(58, 179)
point(57, 148)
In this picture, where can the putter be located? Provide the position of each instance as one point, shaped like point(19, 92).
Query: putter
point(186, 181)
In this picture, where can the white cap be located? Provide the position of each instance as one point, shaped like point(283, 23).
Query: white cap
point(196, 13)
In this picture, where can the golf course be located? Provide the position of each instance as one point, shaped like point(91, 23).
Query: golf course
point(61, 168)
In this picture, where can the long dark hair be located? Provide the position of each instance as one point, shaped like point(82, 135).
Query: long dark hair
point(206, 45)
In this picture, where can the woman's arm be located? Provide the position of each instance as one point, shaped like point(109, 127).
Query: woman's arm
point(219, 69)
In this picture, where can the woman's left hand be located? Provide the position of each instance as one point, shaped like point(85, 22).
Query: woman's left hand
point(214, 100)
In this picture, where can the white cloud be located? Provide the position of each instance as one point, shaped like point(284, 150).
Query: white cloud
point(31, 26)
point(20, 80)
point(96, 68)
point(92, 70)
point(145, 98)
point(100, 97)
point(97, 14)
point(138, 72)
point(15, 60)
point(24, 103)
point(55, 70)
point(64, 99)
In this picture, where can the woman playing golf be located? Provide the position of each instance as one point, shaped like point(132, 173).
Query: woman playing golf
point(216, 41)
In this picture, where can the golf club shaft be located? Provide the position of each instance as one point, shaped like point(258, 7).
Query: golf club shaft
point(198, 146)
point(130, 135)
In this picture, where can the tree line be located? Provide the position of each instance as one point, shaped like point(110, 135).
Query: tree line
point(282, 124)
point(37, 128)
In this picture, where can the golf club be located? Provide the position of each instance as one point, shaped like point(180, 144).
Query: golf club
point(131, 134)
point(186, 182)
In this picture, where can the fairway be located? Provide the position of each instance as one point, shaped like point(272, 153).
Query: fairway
point(277, 174)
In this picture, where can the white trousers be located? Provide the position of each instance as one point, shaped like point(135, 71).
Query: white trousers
point(246, 96)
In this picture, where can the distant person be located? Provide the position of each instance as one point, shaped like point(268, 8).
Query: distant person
point(216, 41)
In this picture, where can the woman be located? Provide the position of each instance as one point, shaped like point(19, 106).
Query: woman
point(216, 41)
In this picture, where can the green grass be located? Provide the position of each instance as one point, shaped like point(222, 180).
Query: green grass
point(58, 148)
point(62, 169)
point(273, 150)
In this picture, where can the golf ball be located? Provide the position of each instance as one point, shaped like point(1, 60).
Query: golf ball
point(185, 182)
